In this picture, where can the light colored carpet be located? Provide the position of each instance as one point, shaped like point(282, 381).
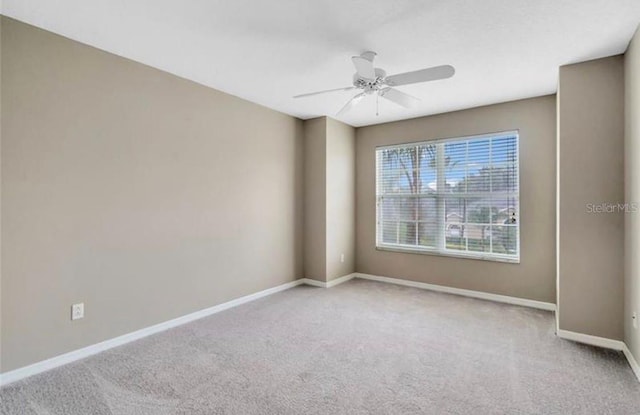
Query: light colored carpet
point(359, 348)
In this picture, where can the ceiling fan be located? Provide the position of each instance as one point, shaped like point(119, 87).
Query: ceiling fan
point(370, 80)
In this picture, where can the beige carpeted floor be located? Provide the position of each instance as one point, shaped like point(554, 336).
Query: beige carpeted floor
point(359, 348)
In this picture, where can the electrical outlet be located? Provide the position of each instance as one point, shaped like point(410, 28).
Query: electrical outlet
point(634, 319)
point(77, 311)
point(341, 257)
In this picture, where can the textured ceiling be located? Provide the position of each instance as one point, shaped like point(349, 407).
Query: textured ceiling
point(268, 51)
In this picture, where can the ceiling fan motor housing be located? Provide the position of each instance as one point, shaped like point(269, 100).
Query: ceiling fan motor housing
point(370, 85)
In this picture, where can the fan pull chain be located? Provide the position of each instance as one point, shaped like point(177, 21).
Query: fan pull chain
point(377, 103)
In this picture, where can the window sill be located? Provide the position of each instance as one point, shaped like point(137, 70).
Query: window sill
point(453, 254)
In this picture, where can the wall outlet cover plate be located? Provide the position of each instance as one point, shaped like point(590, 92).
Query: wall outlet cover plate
point(77, 311)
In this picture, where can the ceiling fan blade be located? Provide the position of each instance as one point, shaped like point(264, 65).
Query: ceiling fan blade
point(348, 88)
point(364, 65)
point(399, 97)
point(422, 75)
point(353, 101)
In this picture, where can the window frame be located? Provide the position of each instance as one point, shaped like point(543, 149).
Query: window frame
point(441, 249)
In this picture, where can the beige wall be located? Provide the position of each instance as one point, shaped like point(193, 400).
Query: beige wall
point(329, 199)
point(534, 277)
point(632, 192)
point(590, 159)
point(315, 199)
point(340, 189)
point(141, 194)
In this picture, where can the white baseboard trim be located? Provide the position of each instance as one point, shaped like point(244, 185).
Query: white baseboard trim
point(603, 342)
point(591, 340)
point(340, 280)
point(459, 291)
point(632, 361)
point(48, 364)
point(314, 283)
point(328, 284)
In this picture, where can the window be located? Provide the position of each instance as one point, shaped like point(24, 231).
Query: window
point(455, 197)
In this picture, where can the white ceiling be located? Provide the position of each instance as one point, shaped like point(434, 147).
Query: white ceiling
point(268, 51)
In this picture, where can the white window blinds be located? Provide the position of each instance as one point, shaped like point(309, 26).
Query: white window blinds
point(452, 197)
